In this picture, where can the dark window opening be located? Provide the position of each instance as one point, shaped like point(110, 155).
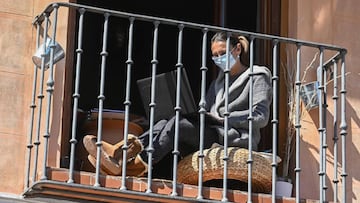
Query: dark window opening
point(239, 15)
point(203, 12)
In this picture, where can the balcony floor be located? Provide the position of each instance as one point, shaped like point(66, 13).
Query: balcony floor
point(56, 187)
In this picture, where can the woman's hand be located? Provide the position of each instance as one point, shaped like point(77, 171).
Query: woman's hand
point(210, 119)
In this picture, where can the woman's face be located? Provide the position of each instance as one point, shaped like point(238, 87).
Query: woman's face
point(218, 48)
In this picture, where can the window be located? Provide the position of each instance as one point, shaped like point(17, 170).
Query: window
point(204, 12)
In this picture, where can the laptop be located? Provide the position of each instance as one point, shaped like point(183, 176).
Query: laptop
point(165, 95)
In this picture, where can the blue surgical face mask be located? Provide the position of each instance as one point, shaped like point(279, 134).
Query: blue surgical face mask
point(220, 61)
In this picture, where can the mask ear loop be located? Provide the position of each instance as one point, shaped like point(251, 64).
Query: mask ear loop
point(237, 47)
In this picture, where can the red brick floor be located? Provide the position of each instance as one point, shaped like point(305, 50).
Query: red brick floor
point(83, 188)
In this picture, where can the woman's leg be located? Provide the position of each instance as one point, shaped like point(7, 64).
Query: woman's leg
point(162, 140)
point(189, 138)
point(164, 134)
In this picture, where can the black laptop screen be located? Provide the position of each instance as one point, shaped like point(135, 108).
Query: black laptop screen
point(165, 95)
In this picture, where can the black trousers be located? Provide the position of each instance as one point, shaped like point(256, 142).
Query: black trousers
point(188, 142)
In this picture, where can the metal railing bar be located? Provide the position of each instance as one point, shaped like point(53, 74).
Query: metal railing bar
point(226, 116)
point(321, 130)
point(250, 118)
point(127, 102)
point(297, 123)
point(76, 96)
point(49, 90)
point(30, 145)
point(101, 98)
point(179, 67)
point(343, 127)
point(202, 111)
point(324, 106)
point(152, 104)
point(335, 129)
point(275, 119)
point(49, 9)
point(40, 99)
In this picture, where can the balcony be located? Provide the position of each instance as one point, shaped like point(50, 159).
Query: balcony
point(70, 180)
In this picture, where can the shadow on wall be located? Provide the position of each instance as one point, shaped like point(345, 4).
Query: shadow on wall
point(351, 151)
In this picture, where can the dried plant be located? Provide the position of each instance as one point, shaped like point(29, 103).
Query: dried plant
point(290, 79)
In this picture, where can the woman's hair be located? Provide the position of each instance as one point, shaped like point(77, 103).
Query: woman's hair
point(234, 39)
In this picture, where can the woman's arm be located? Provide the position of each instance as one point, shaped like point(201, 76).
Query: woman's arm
point(262, 97)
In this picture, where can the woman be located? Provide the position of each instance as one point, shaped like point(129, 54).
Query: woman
point(238, 106)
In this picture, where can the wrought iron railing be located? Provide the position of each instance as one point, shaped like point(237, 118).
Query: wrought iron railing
point(335, 57)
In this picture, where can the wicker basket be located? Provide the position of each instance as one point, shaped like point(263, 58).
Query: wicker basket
point(213, 168)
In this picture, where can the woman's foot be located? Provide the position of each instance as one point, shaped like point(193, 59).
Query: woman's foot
point(111, 155)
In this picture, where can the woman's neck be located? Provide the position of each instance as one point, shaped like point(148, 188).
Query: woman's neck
point(238, 69)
